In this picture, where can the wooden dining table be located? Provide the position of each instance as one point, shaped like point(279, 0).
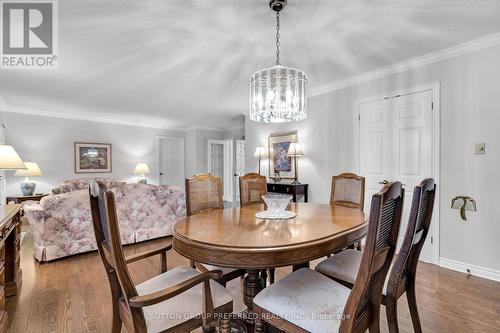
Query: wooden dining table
point(235, 238)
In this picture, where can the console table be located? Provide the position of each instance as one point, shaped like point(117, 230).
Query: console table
point(289, 188)
point(10, 264)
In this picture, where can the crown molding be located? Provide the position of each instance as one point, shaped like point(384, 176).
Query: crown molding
point(455, 51)
point(74, 116)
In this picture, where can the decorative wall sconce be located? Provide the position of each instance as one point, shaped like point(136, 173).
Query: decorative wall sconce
point(464, 204)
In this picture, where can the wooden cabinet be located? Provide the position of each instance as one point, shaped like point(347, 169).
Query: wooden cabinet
point(10, 258)
point(295, 190)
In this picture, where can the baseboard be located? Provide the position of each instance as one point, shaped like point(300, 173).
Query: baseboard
point(478, 271)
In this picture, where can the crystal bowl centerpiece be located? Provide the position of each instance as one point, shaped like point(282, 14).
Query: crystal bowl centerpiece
point(276, 206)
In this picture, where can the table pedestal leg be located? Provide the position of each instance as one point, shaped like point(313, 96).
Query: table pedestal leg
point(252, 285)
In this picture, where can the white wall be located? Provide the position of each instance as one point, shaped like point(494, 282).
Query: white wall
point(50, 142)
point(470, 113)
point(197, 144)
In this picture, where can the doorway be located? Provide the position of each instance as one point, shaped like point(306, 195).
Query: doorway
point(171, 161)
point(397, 138)
point(220, 164)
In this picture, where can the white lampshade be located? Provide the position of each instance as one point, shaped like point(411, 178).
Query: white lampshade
point(31, 170)
point(9, 159)
point(259, 152)
point(141, 169)
point(295, 149)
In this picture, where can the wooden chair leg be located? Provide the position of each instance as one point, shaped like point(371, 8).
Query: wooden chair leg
point(163, 259)
point(412, 304)
point(116, 323)
point(391, 307)
point(271, 275)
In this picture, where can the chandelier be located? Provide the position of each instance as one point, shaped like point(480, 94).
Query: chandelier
point(278, 93)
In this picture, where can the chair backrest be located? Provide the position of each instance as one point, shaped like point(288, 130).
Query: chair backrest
point(107, 234)
point(405, 265)
point(203, 193)
point(348, 189)
point(252, 187)
point(363, 304)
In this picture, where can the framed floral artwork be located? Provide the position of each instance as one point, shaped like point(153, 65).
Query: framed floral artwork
point(92, 157)
point(279, 161)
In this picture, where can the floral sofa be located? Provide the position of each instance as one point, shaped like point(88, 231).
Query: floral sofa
point(61, 224)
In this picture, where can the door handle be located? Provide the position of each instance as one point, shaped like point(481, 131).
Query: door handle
point(384, 182)
point(161, 173)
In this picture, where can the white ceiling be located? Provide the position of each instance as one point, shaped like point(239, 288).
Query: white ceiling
point(178, 63)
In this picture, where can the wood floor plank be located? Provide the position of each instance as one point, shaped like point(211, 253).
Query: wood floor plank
point(72, 295)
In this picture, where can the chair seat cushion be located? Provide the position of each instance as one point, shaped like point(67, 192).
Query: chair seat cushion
point(345, 265)
point(182, 307)
point(342, 266)
point(307, 299)
point(224, 270)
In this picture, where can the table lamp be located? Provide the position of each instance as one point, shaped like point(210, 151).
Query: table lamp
point(142, 169)
point(9, 159)
point(32, 170)
point(295, 150)
point(259, 153)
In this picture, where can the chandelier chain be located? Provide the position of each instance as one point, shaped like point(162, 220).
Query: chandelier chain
point(277, 38)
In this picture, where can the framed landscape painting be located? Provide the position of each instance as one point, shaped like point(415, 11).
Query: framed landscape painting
point(279, 161)
point(92, 157)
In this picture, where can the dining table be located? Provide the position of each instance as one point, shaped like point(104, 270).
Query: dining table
point(236, 238)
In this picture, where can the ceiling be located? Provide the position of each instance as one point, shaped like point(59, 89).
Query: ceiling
point(179, 63)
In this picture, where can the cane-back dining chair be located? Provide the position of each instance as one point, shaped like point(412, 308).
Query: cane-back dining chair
point(252, 187)
point(344, 266)
point(177, 300)
point(348, 190)
point(325, 305)
point(204, 193)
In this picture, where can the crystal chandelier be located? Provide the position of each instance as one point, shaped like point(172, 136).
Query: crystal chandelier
point(278, 93)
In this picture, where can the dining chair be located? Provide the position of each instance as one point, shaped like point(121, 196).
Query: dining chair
point(204, 193)
point(252, 187)
point(308, 301)
point(348, 190)
point(344, 266)
point(178, 300)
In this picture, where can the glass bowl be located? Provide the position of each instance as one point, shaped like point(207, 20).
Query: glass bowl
point(276, 203)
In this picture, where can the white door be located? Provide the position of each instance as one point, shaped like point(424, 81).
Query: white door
point(239, 169)
point(375, 156)
point(172, 161)
point(220, 164)
point(413, 158)
point(395, 143)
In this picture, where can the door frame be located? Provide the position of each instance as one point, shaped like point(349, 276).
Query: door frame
point(158, 153)
point(435, 88)
point(228, 166)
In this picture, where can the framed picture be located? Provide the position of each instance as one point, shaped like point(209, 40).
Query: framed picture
point(92, 157)
point(279, 161)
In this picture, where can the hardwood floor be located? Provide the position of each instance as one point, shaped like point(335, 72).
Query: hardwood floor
point(72, 295)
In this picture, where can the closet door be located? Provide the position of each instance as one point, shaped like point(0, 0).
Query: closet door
point(375, 146)
point(395, 143)
point(413, 150)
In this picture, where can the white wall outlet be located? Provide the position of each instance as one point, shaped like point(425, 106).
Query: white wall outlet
point(480, 148)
